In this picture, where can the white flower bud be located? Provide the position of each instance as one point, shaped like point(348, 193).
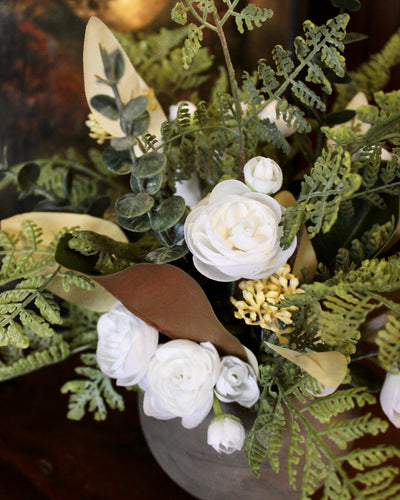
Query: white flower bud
point(263, 175)
point(237, 382)
point(226, 434)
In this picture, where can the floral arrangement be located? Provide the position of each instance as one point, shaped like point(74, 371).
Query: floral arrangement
point(242, 250)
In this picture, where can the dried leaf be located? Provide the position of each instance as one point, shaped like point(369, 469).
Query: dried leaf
point(130, 85)
point(328, 367)
point(170, 300)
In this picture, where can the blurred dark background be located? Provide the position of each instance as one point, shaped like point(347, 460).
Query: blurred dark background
point(42, 111)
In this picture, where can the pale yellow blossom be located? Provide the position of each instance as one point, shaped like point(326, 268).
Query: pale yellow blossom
point(261, 297)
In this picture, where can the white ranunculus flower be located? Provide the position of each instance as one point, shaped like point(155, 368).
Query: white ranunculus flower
point(390, 398)
point(237, 382)
point(236, 234)
point(226, 434)
point(263, 175)
point(180, 381)
point(125, 345)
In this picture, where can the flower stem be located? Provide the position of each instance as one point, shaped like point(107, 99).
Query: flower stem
point(217, 407)
point(234, 89)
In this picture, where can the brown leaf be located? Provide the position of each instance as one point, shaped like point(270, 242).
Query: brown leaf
point(170, 300)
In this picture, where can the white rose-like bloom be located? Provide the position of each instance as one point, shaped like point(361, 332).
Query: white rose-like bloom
point(263, 175)
point(390, 398)
point(180, 381)
point(125, 345)
point(237, 382)
point(226, 434)
point(236, 234)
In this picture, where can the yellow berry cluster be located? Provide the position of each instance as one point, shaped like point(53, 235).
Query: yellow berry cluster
point(260, 297)
point(97, 132)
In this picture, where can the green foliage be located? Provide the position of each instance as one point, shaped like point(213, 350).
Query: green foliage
point(70, 184)
point(157, 57)
point(388, 341)
point(285, 409)
point(372, 75)
point(94, 254)
point(330, 182)
point(251, 16)
point(57, 350)
point(348, 298)
point(92, 393)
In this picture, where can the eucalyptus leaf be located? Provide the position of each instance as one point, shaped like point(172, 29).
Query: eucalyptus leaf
point(337, 117)
point(105, 105)
point(151, 184)
point(134, 109)
point(140, 125)
point(27, 177)
point(166, 254)
point(123, 143)
point(118, 162)
point(171, 210)
point(137, 224)
point(149, 165)
point(133, 205)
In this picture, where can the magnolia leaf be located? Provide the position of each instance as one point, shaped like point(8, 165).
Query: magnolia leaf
point(173, 302)
point(329, 368)
point(51, 223)
point(130, 84)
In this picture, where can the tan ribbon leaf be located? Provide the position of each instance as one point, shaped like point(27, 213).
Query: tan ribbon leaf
point(130, 85)
point(171, 301)
point(51, 223)
point(328, 367)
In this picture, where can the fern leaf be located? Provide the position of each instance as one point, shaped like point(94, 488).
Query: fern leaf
point(323, 409)
point(330, 182)
point(92, 394)
point(32, 321)
point(58, 351)
point(388, 342)
point(251, 16)
point(361, 459)
point(342, 433)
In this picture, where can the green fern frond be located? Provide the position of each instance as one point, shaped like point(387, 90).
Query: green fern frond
point(373, 75)
point(330, 182)
point(323, 409)
point(388, 342)
point(251, 16)
point(362, 458)
point(56, 352)
point(93, 394)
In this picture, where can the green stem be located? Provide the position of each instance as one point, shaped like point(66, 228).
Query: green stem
point(217, 407)
point(234, 89)
point(367, 355)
